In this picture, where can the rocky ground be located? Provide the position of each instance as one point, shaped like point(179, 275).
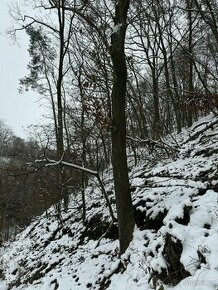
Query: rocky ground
point(175, 238)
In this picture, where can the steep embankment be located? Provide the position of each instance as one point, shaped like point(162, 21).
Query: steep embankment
point(174, 244)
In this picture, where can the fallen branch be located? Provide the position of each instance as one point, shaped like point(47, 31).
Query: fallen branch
point(153, 143)
point(104, 234)
point(196, 134)
point(50, 162)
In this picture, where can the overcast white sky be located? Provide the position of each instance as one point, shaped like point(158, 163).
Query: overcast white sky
point(17, 110)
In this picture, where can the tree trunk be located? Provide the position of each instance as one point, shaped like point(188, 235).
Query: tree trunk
point(190, 53)
point(125, 212)
point(60, 113)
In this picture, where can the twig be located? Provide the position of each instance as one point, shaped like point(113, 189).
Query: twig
point(104, 234)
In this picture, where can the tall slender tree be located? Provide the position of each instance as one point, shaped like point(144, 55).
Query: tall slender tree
point(119, 159)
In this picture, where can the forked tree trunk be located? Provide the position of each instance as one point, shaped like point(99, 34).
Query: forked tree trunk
point(125, 212)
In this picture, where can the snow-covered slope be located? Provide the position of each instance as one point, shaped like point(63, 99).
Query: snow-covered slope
point(175, 242)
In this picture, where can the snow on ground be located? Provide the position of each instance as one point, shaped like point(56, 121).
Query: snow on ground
point(176, 201)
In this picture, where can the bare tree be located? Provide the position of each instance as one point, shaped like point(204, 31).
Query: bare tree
point(119, 158)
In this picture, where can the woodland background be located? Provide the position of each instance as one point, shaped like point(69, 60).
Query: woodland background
point(171, 59)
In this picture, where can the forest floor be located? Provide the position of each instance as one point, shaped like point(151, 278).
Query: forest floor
point(175, 240)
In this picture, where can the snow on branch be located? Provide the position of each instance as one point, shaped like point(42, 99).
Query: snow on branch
point(49, 162)
point(199, 132)
point(77, 167)
point(152, 143)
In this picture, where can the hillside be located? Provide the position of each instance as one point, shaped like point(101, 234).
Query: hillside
point(174, 244)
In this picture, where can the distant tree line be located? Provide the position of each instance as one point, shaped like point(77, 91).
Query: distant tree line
point(17, 189)
point(27, 188)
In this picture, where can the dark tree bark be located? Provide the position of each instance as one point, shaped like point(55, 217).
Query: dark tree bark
point(209, 15)
point(60, 106)
point(189, 4)
point(119, 158)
